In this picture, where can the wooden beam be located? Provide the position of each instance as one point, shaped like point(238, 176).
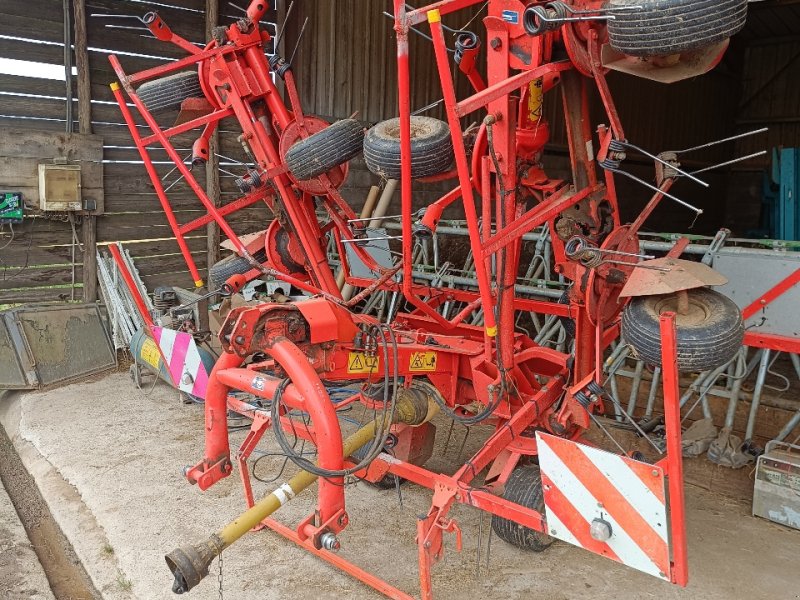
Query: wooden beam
point(212, 166)
point(89, 225)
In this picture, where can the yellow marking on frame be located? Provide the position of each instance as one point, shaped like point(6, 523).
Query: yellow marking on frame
point(422, 361)
point(358, 362)
point(434, 16)
point(150, 353)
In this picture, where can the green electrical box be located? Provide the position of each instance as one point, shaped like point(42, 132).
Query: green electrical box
point(11, 207)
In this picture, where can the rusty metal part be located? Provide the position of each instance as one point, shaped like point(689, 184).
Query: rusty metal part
point(681, 275)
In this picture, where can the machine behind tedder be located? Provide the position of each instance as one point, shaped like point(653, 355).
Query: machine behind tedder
point(534, 473)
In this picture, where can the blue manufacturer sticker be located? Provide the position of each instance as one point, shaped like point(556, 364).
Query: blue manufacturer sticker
point(258, 383)
point(511, 16)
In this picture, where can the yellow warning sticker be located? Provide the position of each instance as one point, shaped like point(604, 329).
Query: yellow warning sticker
point(422, 361)
point(358, 362)
point(150, 354)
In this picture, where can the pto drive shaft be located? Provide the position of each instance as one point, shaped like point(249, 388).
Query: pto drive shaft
point(189, 564)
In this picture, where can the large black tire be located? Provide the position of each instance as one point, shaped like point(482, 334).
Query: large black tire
point(431, 148)
point(524, 487)
point(169, 92)
point(232, 265)
point(708, 336)
point(664, 27)
point(331, 147)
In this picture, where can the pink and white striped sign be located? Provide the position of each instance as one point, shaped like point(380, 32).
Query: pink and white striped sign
point(182, 360)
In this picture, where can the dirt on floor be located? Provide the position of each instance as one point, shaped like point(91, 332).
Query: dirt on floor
point(109, 459)
point(21, 574)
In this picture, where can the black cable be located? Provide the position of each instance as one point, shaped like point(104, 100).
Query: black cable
point(381, 434)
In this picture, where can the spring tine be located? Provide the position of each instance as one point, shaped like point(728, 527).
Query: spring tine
point(372, 239)
point(173, 184)
point(427, 108)
point(663, 162)
point(108, 16)
point(283, 26)
point(698, 211)
point(417, 31)
point(299, 39)
point(730, 162)
point(109, 26)
point(722, 141)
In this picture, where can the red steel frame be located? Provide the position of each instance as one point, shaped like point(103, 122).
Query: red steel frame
point(767, 340)
point(313, 342)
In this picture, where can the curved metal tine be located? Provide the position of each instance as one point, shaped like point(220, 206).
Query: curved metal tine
point(299, 39)
point(419, 111)
point(133, 27)
point(663, 162)
point(609, 9)
point(698, 211)
point(173, 169)
point(229, 159)
point(445, 27)
point(370, 218)
point(110, 16)
point(730, 162)
point(595, 17)
point(283, 26)
point(418, 32)
point(372, 239)
point(722, 141)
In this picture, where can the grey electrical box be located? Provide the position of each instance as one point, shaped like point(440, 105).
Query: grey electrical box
point(60, 187)
point(776, 495)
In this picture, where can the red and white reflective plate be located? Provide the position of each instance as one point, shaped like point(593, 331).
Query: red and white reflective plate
point(625, 498)
point(183, 361)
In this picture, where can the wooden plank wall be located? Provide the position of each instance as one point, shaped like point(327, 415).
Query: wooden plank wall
point(33, 30)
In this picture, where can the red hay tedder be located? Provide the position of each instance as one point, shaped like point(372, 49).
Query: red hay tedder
point(534, 473)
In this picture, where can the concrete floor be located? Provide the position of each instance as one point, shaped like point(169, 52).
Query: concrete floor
point(21, 573)
point(108, 459)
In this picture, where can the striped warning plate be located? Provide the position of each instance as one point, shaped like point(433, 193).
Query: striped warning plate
point(182, 358)
point(625, 500)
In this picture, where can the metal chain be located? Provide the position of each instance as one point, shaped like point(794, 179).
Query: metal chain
point(219, 577)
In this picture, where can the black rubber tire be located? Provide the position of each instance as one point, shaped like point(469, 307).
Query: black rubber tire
point(523, 487)
point(231, 265)
point(326, 149)
point(708, 337)
point(431, 148)
point(664, 27)
point(169, 92)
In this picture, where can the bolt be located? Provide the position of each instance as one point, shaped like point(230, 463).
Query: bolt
point(654, 472)
point(329, 542)
point(239, 339)
point(495, 43)
point(553, 532)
